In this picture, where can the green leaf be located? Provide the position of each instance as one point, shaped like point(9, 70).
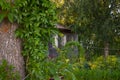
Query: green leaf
point(2, 17)
point(10, 17)
point(72, 74)
point(57, 78)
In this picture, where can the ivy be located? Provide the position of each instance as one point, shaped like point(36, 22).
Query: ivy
point(36, 19)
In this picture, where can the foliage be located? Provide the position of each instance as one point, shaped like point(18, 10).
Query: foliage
point(96, 22)
point(36, 21)
point(99, 69)
point(36, 30)
point(96, 74)
point(111, 62)
point(6, 10)
point(7, 73)
point(72, 50)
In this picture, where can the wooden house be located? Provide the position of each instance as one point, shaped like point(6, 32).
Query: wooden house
point(68, 35)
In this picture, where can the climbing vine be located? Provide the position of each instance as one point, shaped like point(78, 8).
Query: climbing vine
point(36, 20)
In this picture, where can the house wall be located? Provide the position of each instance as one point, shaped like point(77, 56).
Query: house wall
point(61, 41)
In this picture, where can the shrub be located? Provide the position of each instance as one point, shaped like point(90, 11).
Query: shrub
point(111, 62)
point(7, 73)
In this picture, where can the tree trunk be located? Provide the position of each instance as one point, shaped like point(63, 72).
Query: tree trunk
point(106, 49)
point(10, 47)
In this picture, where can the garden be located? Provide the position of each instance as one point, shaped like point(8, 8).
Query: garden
point(95, 55)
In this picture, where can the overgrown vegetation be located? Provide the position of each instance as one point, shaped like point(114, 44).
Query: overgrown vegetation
point(7, 73)
point(36, 19)
point(96, 22)
point(98, 68)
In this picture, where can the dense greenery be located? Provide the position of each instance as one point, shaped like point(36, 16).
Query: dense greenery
point(35, 30)
point(7, 73)
point(36, 20)
point(96, 22)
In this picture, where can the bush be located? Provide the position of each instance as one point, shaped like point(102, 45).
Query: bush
point(80, 69)
point(111, 62)
point(7, 73)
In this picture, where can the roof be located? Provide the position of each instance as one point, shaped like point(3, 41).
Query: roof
point(63, 28)
point(60, 26)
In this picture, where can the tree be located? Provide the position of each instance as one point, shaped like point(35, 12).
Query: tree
point(36, 20)
point(96, 21)
point(10, 46)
